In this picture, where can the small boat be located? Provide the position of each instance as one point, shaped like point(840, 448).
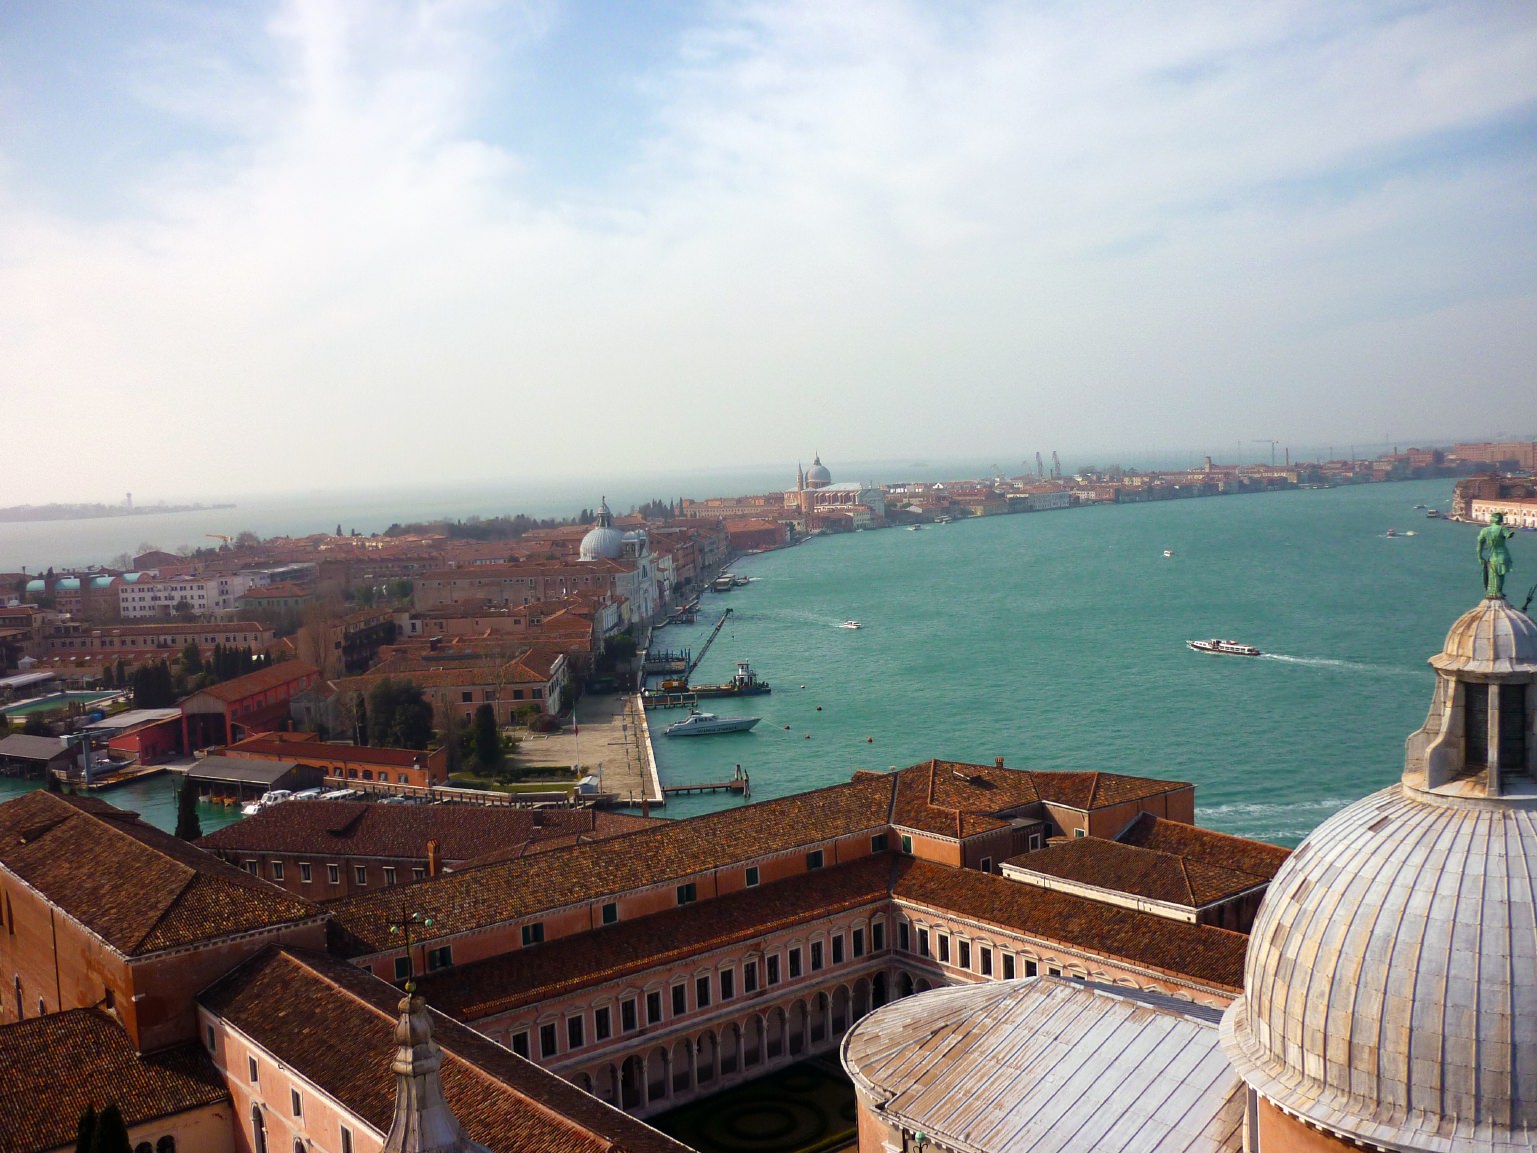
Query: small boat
point(914, 527)
point(739, 581)
point(1168, 552)
point(851, 624)
point(1392, 532)
point(743, 683)
point(1419, 506)
point(1432, 513)
point(1411, 532)
point(1225, 648)
point(702, 724)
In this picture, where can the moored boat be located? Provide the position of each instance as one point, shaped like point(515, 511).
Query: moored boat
point(743, 683)
point(1224, 648)
point(703, 724)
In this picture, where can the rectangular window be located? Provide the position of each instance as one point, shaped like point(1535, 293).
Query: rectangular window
point(533, 934)
point(251, 867)
point(877, 935)
point(653, 1008)
point(904, 937)
point(795, 963)
point(212, 1040)
point(547, 1040)
point(859, 942)
point(773, 968)
point(816, 955)
point(1030, 968)
point(1475, 724)
point(627, 1018)
point(296, 1102)
point(346, 1139)
point(727, 984)
point(360, 874)
point(1008, 966)
point(752, 876)
point(574, 1037)
point(750, 977)
point(923, 942)
point(402, 968)
point(440, 958)
point(679, 1000)
point(944, 948)
point(838, 949)
point(701, 992)
point(1035, 841)
point(251, 1070)
point(987, 864)
point(610, 912)
point(602, 1023)
point(389, 874)
point(907, 844)
point(987, 961)
point(878, 843)
point(304, 872)
point(520, 1043)
point(419, 874)
point(687, 894)
point(277, 871)
point(965, 948)
point(1054, 970)
point(334, 874)
point(814, 859)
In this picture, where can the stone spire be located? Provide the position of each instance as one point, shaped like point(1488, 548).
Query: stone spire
point(423, 1121)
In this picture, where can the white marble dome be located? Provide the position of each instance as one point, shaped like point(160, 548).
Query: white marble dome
point(1390, 989)
point(603, 541)
point(817, 475)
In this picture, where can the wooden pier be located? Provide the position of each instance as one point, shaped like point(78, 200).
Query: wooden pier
point(739, 783)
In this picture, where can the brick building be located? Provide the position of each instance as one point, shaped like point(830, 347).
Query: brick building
point(254, 703)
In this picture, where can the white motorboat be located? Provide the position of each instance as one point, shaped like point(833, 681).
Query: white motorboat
point(704, 724)
point(851, 624)
point(1168, 552)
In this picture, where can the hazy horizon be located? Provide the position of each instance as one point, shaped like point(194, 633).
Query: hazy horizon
point(274, 246)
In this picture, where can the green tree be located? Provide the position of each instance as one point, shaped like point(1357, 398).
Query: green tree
point(399, 715)
point(188, 828)
point(488, 741)
point(191, 660)
point(110, 1134)
point(85, 1129)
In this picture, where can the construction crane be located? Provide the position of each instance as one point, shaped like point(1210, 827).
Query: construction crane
point(1056, 465)
point(704, 648)
point(218, 536)
point(1040, 467)
point(1272, 444)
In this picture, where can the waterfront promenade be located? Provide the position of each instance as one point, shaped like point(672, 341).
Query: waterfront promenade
point(610, 740)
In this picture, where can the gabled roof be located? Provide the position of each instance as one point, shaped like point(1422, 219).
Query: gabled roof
point(1096, 790)
point(1206, 845)
point(139, 889)
point(342, 1041)
point(24, 747)
point(362, 829)
point(54, 1067)
point(561, 966)
point(1180, 950)
point(959, 800)
point(1157, 876)
point(272, 677)
point(671, 850)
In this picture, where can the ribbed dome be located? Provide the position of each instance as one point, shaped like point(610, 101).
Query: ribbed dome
point(1492, 638)
point(603, 541)
point(1390, 991)
point(817, 475)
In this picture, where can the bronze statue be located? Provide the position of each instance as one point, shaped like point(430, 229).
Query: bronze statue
point(1497, 561)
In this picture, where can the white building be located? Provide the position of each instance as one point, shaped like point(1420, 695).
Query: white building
point(147, 599)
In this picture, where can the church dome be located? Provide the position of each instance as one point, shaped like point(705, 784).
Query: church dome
point(603, 541)
point(817, 475)
point(1390, 989)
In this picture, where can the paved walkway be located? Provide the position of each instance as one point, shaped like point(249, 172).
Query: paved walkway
point(611, 741)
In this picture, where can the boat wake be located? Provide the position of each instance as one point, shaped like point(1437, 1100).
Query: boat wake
point(1332, 663)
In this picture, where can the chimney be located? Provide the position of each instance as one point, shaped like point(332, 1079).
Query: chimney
point(434, 857)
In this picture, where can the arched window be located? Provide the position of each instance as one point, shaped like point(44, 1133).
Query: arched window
point(298, 1145)
point(258, 1130)
point(143, 1147)
point(166, 1144)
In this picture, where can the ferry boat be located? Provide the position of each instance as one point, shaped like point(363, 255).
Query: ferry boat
point(702, 724)
point(1226, 648)
point(723, 583)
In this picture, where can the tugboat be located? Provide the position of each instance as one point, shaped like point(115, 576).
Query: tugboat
point(1224, 648)
point(743, 683)
point(702, 724)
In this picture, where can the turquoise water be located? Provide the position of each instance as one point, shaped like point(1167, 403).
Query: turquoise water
point(153, 798)
point(55, 701)
point(1057, 641)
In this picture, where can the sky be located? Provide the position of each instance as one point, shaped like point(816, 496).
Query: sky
point(269, 247)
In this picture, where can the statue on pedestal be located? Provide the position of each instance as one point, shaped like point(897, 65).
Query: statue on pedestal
point(1493, 555)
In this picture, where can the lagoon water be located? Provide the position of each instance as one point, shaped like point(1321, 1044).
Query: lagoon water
point(1057, 641)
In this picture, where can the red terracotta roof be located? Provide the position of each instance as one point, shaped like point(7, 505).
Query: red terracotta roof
point(1198, 844)
point(55, 1067)
point(1179, 950)
point(262, 680)
point(334, 1025)
point(298, 746)
point(140, 889)
point(1096, 790)
point(1140, 872)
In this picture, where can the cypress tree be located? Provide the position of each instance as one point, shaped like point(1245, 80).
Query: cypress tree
point(111, 1134)
point(188, 827)
point(85, 1129)
point(488, 742)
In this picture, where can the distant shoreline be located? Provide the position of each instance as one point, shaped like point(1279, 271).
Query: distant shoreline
point(33, 514)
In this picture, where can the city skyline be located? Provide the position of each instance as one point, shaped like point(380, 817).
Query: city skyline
point(300, 246)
